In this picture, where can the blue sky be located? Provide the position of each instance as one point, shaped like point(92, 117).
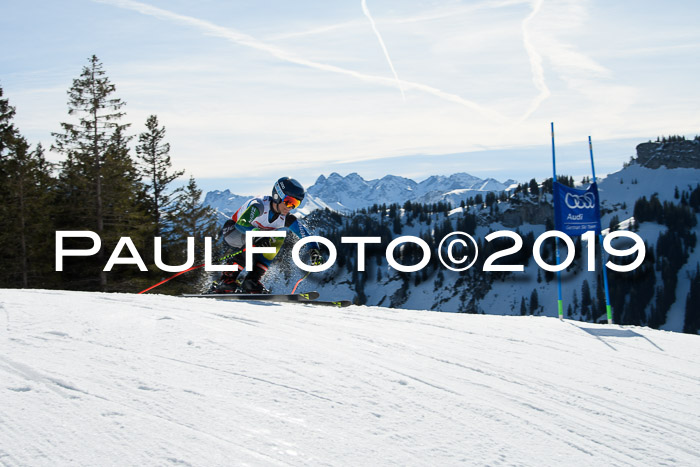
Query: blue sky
point(253, 90)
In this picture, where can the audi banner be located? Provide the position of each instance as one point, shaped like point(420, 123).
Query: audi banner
point(576, 211)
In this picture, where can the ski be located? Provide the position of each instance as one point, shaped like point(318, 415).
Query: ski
point(336, 303)
point(307, 297)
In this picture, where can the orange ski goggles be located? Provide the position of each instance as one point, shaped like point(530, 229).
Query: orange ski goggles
point(291, 202)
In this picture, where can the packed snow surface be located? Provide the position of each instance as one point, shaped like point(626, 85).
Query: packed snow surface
point(117, 379)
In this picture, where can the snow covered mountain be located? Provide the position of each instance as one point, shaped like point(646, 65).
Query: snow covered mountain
point(662, 285)
point(532, 291)
point(120, 379)
point(224, 203)
point(352, 192)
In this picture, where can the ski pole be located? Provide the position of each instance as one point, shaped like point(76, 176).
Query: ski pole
point(224, 258)
point(299, 281)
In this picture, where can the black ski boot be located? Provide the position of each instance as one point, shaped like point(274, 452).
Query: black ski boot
point(253, 287)
point(228, 283)
point(252, 283)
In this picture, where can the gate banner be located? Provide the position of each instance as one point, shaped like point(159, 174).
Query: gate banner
point(576, 211)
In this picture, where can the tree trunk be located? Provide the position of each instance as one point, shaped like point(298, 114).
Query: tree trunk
point(23, 236)
point(98, 199)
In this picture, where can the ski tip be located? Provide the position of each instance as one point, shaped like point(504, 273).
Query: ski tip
point(308, 295)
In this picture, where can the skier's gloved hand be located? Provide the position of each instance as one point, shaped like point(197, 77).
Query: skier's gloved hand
point(229, 226)
point(263, 242)
point(315, 256)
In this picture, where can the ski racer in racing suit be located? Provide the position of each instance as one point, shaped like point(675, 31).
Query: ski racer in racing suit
point(262, 213)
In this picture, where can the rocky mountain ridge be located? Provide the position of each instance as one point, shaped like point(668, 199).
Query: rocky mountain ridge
point(352, 192)
point(671, 154)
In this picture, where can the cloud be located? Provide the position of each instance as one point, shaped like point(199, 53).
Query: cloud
point(279, 53)
point(535, 63)
point(365, 10)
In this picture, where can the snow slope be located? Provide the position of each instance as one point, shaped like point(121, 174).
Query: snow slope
point(116, 379)
point(625, 187)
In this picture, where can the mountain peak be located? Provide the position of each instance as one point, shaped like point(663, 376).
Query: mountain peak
point(352, 192)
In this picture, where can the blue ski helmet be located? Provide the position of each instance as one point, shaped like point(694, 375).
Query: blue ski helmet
point(288, 190)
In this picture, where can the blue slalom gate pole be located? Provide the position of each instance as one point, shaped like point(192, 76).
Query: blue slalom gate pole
point(608, 307)
point(560, 303)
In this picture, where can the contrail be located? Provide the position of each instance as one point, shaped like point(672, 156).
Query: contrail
point(535, 63)
point(365, 10)
point(249, 41)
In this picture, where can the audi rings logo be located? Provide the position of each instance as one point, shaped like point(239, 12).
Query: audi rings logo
point(585, 201)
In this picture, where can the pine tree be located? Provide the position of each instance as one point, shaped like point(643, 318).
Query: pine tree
point(600, 302)
point(25, 198)
point(614, 223)
point(586, 300)
point(534, 302)
point(155, 168)
point(7, 135)
point(7, 128)
point(190, 218)
point(98, 184)
point(534, 188)
point(692, 311)
point(398, 227)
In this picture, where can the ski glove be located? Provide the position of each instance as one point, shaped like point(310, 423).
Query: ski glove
point(229, 226)
point(315, 256)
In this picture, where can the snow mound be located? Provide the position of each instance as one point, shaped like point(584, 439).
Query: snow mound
point(118, 379)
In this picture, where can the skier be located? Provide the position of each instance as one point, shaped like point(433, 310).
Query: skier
point(262, 213)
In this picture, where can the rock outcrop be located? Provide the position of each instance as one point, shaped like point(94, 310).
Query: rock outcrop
point(672, 154)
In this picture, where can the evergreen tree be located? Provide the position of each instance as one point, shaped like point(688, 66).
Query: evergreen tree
point(7, 136)
point(694, 199)
point(98, 183)
point(600, 302)
point(490, 198)
point(534, 302)
point(614, 223)
point(190, 218)
point(7, 128)
point(398, 227)
point(155, 166)
point(548, 185)
point(692, 310)
point(534, 188)
point(586, 300)
point(25, 198)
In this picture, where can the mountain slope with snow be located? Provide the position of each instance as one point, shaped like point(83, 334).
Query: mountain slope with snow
point(530, 291)
point(106, 379)
point(352, 192)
